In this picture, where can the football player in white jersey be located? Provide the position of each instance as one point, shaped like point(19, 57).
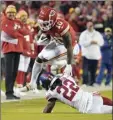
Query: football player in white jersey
point(66, 90)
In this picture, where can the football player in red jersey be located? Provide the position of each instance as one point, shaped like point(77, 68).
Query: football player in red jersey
point(62, 40)
point(25, 57)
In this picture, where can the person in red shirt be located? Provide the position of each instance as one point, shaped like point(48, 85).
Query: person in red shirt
point(62, 40)
point(34, 47)
point(25, 57)
point(12, 47)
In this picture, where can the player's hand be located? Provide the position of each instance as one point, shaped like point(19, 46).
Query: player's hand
point(43, 40)
point(68, 70)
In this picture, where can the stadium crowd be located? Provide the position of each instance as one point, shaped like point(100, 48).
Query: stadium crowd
point(78, 14)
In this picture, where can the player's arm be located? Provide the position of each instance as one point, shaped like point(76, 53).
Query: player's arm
point(68, 44)
point(50, 105)
point(10, 30)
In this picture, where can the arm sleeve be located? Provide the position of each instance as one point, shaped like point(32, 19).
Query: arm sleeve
point(49, 107)
point(49, 96)
point(10, 30)
point(63, 27)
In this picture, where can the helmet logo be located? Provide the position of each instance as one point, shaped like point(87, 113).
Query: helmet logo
point(52, 13)
point(42, 12)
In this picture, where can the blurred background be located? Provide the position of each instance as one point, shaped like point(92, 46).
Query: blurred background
point(76, 12)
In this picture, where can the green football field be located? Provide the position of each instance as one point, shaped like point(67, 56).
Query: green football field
point(32, 110)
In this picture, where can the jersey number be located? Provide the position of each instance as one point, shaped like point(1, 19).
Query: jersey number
point(27, 38)
point(69, 95)
point(59, 25)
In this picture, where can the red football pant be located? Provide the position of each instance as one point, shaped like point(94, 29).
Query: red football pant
point(20, 77)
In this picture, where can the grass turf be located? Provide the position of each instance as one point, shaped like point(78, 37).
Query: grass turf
point(32, 110)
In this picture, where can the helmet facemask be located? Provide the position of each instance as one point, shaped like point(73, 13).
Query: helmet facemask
point(45, 25)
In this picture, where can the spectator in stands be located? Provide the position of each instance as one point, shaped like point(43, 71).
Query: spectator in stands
point(34, 48)
point(90, 41)
point(12, 46)
point(107, 58)
point(108, 17)
point(71, 17)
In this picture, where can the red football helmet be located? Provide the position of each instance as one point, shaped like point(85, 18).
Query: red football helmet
point(47, 18)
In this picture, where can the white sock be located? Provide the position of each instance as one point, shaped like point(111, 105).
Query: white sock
point(37, 67)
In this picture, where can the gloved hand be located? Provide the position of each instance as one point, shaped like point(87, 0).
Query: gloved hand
point(68, 70)
point(43, 40)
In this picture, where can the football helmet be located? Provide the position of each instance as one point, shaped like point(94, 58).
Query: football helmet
point(47, 18)
point(48, 80)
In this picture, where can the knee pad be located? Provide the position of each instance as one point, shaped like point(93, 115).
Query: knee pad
point(39, 60)
point(45, 60)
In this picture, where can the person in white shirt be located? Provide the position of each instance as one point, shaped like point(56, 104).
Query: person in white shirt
point(90, 41)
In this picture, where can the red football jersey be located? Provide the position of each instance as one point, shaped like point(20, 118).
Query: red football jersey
point(34, 46)
point(27, 41)
point(60, 28)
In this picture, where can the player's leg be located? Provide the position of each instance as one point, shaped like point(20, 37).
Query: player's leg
point(59, 60)
point(107, 106)
point(97, 103)
point(20, 74)
point(105, 109)
point(101, 104)
point(22, 69)
point(37, 67)
point(45, 56)
point(107, 101)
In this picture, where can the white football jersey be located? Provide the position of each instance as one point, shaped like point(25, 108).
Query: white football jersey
point(70, 93)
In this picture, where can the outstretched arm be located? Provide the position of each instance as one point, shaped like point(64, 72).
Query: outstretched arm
point(68, 44)
point(50, 105)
